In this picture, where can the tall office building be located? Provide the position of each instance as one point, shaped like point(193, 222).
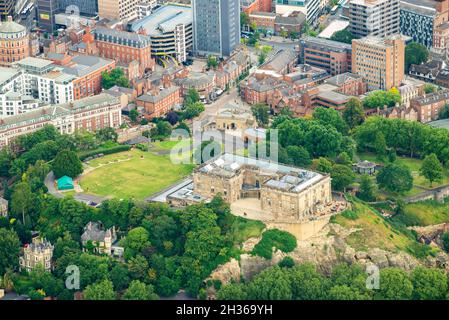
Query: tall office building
point(380, 61)
point(311, 8)
point(6, 8)
point(378, 18)
point(46, 10)
point(216, 26)
point(89, 7)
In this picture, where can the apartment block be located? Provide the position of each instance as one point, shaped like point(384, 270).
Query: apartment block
point(310, 8)
point(91, 114)
point(377, 18)
point(118, 9)
point(425, 21)
point(335, 57)
point(429, 106)
point(380, 61)
point(125, 47)
point(216, 26)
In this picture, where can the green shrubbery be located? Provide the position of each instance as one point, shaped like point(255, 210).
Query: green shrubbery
point(351, 215)
point(281, 240)
point(104, 151)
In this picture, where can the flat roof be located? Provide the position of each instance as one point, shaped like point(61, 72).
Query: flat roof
point(34, 62)
point(7, 73)
point(334, 26)
point(164, 19)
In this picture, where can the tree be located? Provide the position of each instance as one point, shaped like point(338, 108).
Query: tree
point(212, 62)
point(428, 283)
point(395, 284)
point(244, 20)
point(415, 53)
point(9, 250)
point(102, 290)
point(67, 163)
point(367, 190)
point(344, 36)
point(233, 291)
point(380, 145)
point(329, 116)
point(444, 112)
point(139, 291)
point(172, 117)
point(106, 134)
point(343, 292)
point(344, 159)
point(270, 284)
point(138, 267)
point(323, 165)
point(22, 201)
point(115, 77)
point(133, 115)
point(261, 113)
point(307, 283)
point(395, 178)
point(342, 177)
point(445, 240)
point(191, 97)
point(299, 155)
point(431, 168)
point(119, 277)
point(136, 240)
point(430, 88)
point(193, 110)
point(380, 99)
point(353, 113)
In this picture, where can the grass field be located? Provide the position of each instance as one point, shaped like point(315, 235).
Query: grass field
point(375, 231)
point(414, 165)
point(427, 212)
point(139, 175)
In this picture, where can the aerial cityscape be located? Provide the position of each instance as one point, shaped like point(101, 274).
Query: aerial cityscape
point(224, 150)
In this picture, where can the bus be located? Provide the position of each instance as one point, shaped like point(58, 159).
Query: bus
point(334, 10)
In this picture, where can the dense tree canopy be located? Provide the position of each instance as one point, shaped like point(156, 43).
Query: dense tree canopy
point(67, 163)
point(395, 178)
point(415, 53)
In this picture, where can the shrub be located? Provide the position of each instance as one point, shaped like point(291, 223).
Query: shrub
point(281, 240)
point(287, 262)
point(351, 215)
point(104, 151)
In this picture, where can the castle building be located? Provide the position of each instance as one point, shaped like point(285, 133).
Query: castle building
point(39, 252)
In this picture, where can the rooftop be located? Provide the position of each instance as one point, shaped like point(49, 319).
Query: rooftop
point(6, 74)
point(11, 27)
point(164, 19)
point(83, 65)
point(33, 62)
point(291, 179)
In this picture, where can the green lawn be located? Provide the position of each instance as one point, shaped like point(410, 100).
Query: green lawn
point(414, 165)
point(243, 229)
point(142, 174)
point(169, 144)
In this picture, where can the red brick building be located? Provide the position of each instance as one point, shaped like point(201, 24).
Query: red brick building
point(429, 106)
point(125, 47)
point(160, 99)
point(87, 70)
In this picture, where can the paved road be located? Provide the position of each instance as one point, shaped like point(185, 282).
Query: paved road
point(50, 184)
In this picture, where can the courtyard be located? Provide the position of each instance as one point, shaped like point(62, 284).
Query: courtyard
point(131, 174)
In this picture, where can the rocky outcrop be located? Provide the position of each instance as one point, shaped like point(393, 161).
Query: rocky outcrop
point(227, 273)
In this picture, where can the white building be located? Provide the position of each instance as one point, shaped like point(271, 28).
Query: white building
point(311, 8)
point(145, 8)
point(170, 29)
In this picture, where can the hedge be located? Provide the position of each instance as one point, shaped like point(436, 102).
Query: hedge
point(104, 151)
point(281, 240)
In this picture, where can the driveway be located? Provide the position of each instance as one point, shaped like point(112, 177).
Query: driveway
point(50, 184)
